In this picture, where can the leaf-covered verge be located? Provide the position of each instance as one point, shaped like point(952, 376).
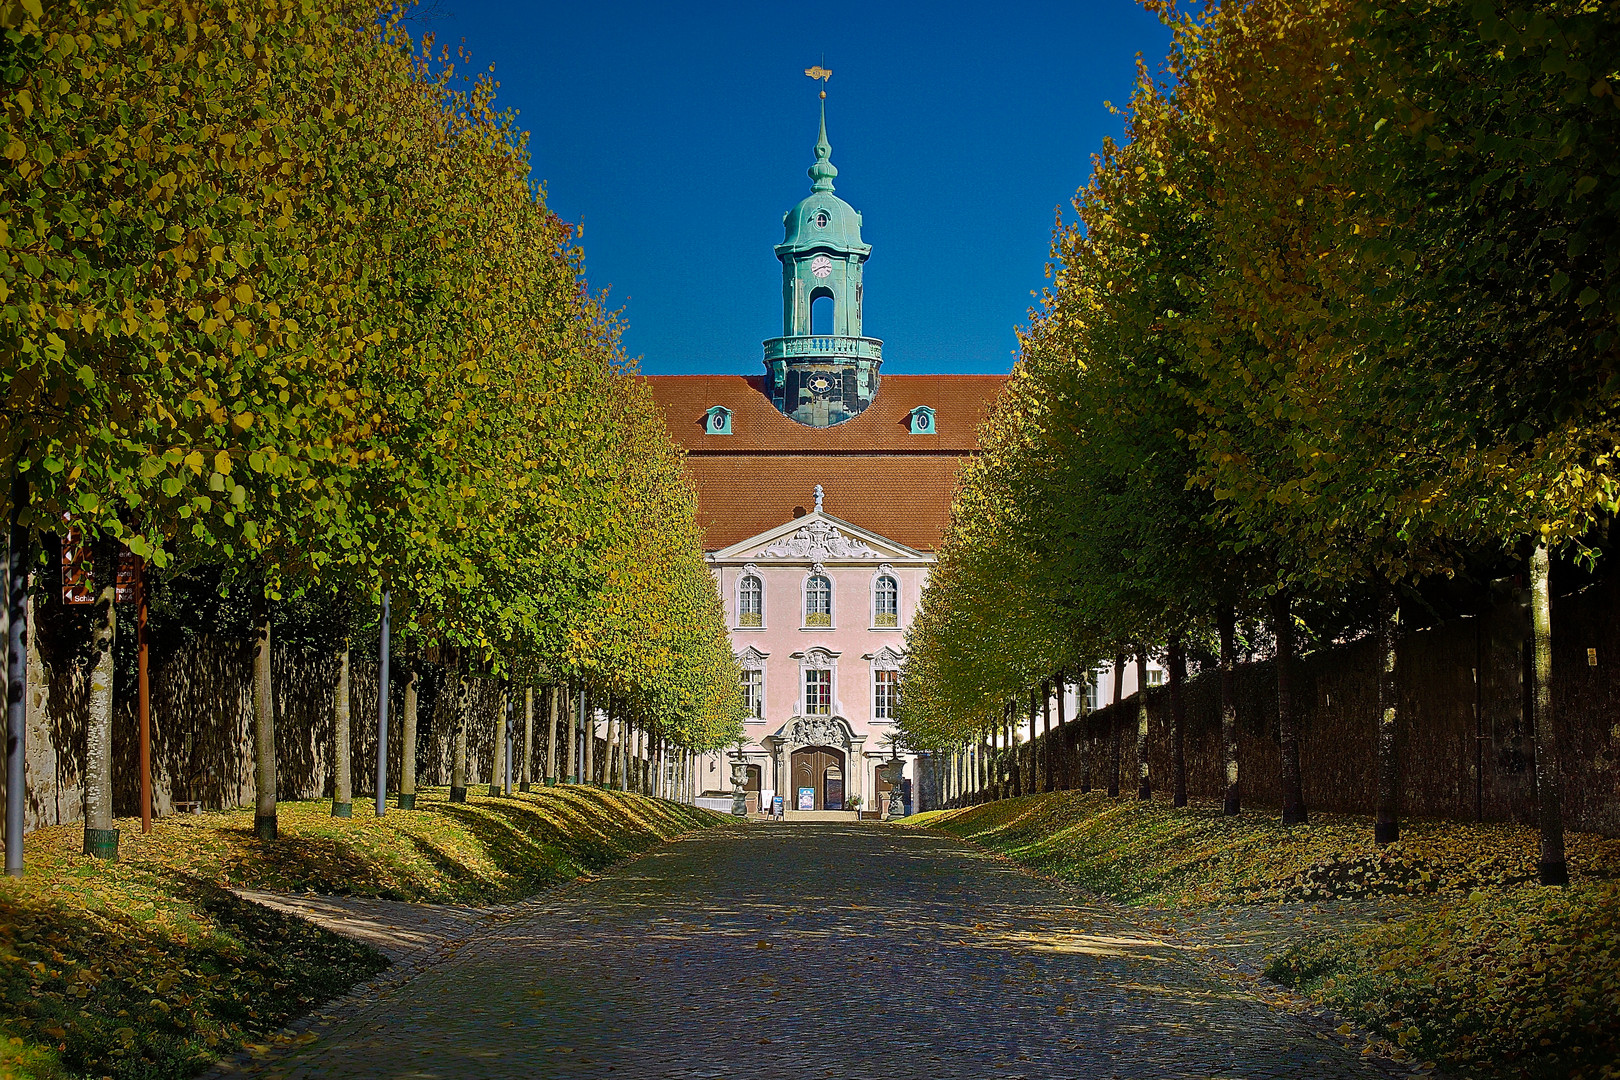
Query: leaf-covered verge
point(1490, 974)
point(149, 967)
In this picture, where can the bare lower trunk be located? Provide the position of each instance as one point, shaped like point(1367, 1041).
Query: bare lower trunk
point(497, 757)
point(1282, 626)
point(407, 756)
point(264, 738)
point(1014, 765)
point(1144, 788)
point(553, 698)
point(524, 780)
point(1177, 662)
point(1387, 822)
point(1550, 813)
point(342, 778)
point(100, 839)
point(576, 713)
point(609, 776)
point(1116, 750)
point(458, 746)
point(1227, 618)
point(588, 723)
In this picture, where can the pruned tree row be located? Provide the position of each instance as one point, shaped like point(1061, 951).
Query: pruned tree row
point(282, 299)
point(1330, 344)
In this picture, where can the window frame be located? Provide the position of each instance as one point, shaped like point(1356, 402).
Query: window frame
point(750, 573)
point(805, 623)
point(878, 683)
point(811, 673)
point(885, 571)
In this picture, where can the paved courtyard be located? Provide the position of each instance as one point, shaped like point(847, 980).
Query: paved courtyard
point(789, 951)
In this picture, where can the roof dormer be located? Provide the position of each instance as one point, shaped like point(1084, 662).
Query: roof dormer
point(921, 420)
point(717, 420)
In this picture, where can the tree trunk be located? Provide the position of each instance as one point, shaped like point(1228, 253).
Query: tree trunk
point(497, 757)
point(553, 703)
point(524, 781)
point(588, 724)
point(407, 756)
point(19, 548)
point(1552, 867)
point(1387, 822)
point(1065, 752)
point(264, 736)
point(100, 838)
point(342, 778)
point(1226, 616)
point(1177, 661)
point(1144, 789)
point(1014, 765)
point(458, 745)
point(1282, 626)
point(611, 749)
point(1116, 736)
point(576, 714)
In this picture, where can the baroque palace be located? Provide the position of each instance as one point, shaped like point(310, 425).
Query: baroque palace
point(824, 489)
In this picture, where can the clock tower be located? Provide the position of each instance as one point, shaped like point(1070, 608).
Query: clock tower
point(821, 375)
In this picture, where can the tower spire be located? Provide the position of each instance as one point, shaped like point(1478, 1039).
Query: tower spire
point(823, 171)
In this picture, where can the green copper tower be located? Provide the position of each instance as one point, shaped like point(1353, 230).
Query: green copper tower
point(822, 379)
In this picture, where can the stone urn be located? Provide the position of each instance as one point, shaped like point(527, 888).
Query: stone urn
point(894, 771)
point(739, 778)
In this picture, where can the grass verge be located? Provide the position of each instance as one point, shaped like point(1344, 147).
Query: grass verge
point(151, 968)
point(1489, 974)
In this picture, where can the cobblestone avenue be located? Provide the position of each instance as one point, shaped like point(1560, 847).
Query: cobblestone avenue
point(792, 951)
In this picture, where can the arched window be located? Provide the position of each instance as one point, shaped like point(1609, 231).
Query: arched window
point(886, 602)
point(750, 602)
point(817, 601)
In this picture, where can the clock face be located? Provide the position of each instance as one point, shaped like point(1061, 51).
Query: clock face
point(820, 384)
point(821, 266)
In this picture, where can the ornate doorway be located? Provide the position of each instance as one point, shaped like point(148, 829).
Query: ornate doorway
point(820, 769)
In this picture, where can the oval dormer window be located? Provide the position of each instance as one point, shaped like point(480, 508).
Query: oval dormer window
point(821, 219)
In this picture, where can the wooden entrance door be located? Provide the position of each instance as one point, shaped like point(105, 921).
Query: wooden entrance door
point(811, 766)
point(751, 789)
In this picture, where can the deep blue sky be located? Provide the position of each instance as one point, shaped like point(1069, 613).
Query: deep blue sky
point(678, 134)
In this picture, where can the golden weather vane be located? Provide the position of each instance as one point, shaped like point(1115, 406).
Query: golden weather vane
point(819, 72)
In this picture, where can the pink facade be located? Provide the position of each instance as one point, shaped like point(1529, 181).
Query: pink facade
point(818, 610)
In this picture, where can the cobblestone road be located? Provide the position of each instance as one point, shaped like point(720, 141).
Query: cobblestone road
point(787, 951)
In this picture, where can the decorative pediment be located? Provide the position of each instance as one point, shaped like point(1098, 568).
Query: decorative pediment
point(816, 731)
point(818, 540)
point(886, 659)
point(819, 537)
point(751, 659)
point(819, 658)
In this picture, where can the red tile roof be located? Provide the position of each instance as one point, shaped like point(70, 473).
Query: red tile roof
point(905, 497)
point(959, 403)
point(874, 472)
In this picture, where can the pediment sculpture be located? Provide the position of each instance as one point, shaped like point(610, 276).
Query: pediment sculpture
point(820, 540)
point(815, 731)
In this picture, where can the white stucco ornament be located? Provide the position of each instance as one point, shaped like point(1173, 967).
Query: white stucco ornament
point(820, 540)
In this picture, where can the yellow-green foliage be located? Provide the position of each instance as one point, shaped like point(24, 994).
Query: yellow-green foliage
point(150, 967)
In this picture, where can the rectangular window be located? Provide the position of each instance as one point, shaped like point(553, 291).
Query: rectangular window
point(1094, 691)
point(753, 691)
point(885, 694)
point(818, 693)
point(1155, 677)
